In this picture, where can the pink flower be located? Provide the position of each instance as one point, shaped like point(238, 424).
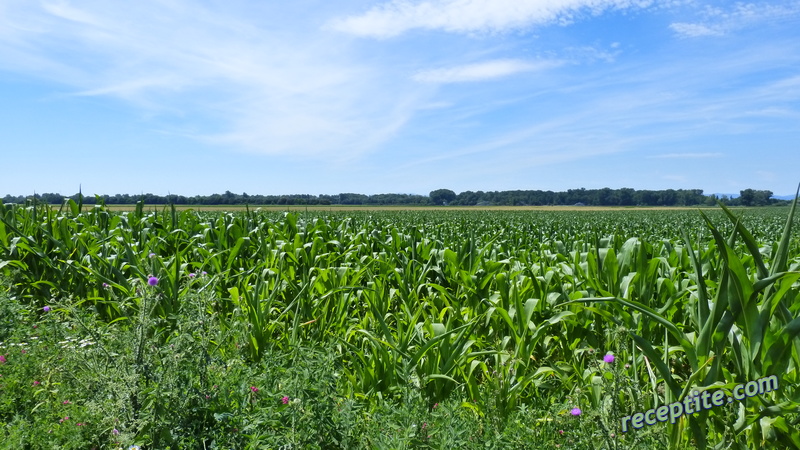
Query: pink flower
point(575, 411)
point(80, 424)
point(36, 383)
point(152, 281)
point(609, 358)
point(64, 419)
point(254, 389)
point(115, 431)
point(2, 359)
point(285, 400)
point(65, 402)
point(46, 308)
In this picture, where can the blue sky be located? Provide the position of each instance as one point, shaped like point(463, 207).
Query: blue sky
point(321, 97)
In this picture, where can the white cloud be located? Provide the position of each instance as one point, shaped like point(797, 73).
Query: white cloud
point(719, 22)
point(468, 16)
point(696, 30)
point(688, 155)
point(481, 71)
point(259, 79)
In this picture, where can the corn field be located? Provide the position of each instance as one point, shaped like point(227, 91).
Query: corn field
point(497, 309)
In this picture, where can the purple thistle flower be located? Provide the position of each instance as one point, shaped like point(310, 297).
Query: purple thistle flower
point(285, 400)
point(152, 281)
point(105, 285)
point(609, 358)
point(575, 411)
point(191, 275)
point(46, 308)
point(152, 255)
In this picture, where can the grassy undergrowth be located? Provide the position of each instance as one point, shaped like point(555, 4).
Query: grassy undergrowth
point(394, 330)
point(70, 381)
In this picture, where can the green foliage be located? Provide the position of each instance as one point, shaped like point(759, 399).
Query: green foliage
point(483, 326)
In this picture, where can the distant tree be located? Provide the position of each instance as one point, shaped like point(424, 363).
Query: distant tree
point(442, 196)
point(751, 197)
point(53, 199)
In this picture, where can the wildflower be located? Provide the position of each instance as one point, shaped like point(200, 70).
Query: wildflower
point(2, 359)
point(152, 281)
point(560, 431)
point(115, 431)
point(46, 308)
point(36, 383)
point(254, 389)
point(191, 275)
point(65, 402)
point(80, 424)
point(435, 405)
point(285, 400)
point(133, 447)
point(105, 285)
point(609, 358)
point(66, 418)
point(204, 273)
point(627, 366)
point(152, 255)
point(575, 411)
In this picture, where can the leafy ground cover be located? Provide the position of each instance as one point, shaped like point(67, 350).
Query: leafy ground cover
point(393, 329)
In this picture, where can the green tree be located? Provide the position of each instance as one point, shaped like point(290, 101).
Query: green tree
point(751, 197)
point(442, 196)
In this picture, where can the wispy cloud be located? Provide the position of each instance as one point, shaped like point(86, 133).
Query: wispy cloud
point(715, 21)
point(482, 71)
point(696, 29)
point(688, 155)
point(469, 16)
point(264, 83)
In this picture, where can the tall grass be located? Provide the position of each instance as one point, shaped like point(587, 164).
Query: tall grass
point(499, 311)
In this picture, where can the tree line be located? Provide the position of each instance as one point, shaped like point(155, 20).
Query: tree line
point(587, 197)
